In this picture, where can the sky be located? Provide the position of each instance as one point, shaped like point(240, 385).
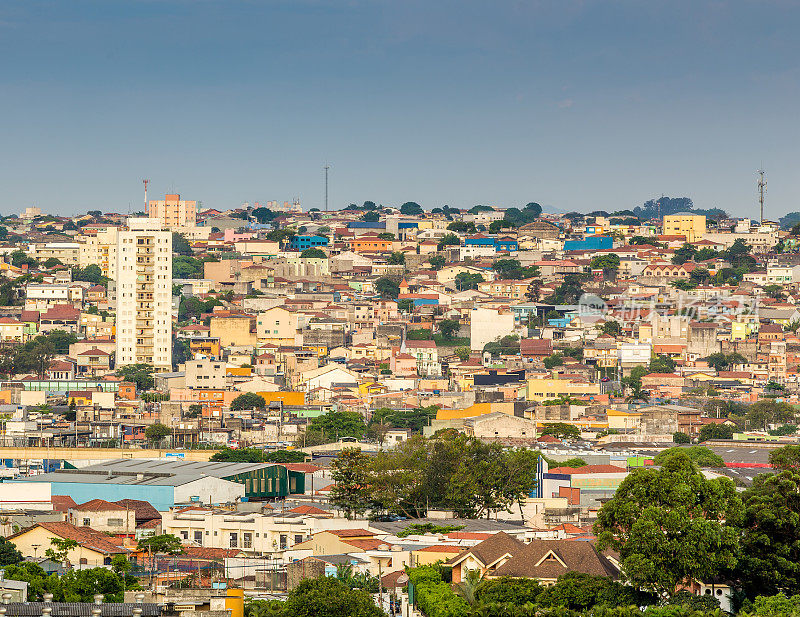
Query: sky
point(578, 105)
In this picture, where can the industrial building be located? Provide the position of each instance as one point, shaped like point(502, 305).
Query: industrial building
point(166, 482)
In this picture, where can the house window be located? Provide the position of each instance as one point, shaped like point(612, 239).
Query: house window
point(284, 541)
point(234, 540)
point(115, 522)
point(198, 537)
point(248, 540)
point(298, 538)
point(184, 535)
point(87, 522)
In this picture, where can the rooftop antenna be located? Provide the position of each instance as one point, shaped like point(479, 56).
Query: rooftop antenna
point(146, 182)
point(762, 185)
point(327, 167)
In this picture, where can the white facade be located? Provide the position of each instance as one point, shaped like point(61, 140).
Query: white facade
point(144, 294)
point(487, 325)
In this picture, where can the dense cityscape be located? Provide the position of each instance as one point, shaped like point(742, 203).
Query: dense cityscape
point(489, 411)
point(430, 308)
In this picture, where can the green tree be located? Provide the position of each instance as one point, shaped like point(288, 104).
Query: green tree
point(612, 328)
point(8, 553)
point(553, 360)
point(248, 400)
point(411, 208)
point(715, 431)
point(140, 374)
point(396, 259)
point(770, 545)
point(156, 432)
point(351, 490)
point(662, 364)
point(699, 455)
point(449, 327)
point(437, 262)
point(60, 548)
point(449, 240)
point(608, 263)
point(370, 217)
point(785, 458)
point(561, 430)
point(670, 525)
point(180, 245)
point(568, 292)
point(90, 274)
point(581, 592)
point(162, 544)
point(463, 353)
point(386, 235)
point(313, 253)
point(328, 597)
point(264, 215)
point(468, 280)
point(680, 438)
point(387, 288)
point(337, 424)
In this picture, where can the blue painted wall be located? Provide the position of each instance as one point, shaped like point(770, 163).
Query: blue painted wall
point(160, 497)
point(593, 243)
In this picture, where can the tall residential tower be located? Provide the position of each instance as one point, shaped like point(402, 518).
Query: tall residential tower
point(173, 212)
point(144, 294)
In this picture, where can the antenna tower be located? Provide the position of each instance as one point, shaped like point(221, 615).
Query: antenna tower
point(146, 209)
point(327, 167)
point(762, 185)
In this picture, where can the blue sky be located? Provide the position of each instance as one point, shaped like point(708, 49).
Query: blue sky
point(579, 105)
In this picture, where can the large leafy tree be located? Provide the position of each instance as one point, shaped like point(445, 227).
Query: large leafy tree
point(351, 492)
point(770, 556)
point(387, 287)
point(9, 553)
point(141, 374)
point(329, 597)
point(670, 525)
point(337, 424)
point(248, 400)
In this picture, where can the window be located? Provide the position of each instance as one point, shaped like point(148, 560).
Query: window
point(298, 538)
point(248, 540)
point(234, 540)
point(198, 537)
point(115, 522)
point(184, 535)
point(87, 522)
point(284, 541)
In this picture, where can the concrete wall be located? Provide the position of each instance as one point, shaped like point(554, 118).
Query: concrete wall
point(21, 495)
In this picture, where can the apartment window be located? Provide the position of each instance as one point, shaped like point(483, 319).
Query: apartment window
point(248, 540)
point(234, 540)
point(115, 522)
point(284, 541)
point(298, 538)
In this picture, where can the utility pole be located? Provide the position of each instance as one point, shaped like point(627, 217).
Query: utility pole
point(762, 185)
point(327, 167)
point(146, 182)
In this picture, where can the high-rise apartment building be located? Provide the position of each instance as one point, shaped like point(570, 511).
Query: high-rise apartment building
point(144, 294)
point(173, 212)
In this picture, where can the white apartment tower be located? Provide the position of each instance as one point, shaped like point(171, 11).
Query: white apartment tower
point(144, 294)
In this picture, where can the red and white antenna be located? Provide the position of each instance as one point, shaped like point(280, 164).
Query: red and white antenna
point(146, 208)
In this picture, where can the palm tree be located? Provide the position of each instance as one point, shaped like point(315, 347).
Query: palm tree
point(469, 586)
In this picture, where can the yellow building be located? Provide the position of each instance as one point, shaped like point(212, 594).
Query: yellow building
point(691, 226)
point(545, 389)
point(623, 420)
